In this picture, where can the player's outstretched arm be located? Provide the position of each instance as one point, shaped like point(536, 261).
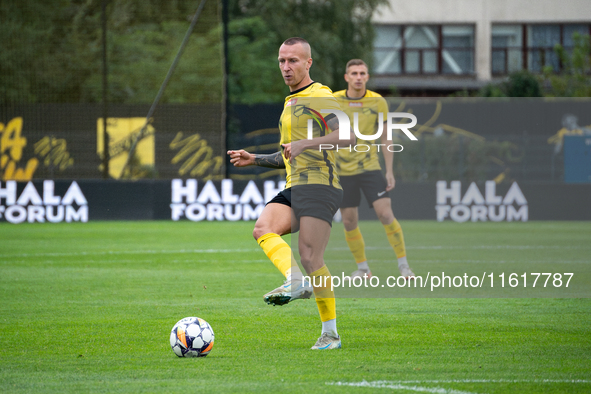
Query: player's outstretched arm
point(241, 158)
point(273, 160)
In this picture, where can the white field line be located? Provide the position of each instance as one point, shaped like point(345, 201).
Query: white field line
point(247, 250)
point(475, 247)
point(412, 385)
point(585, 381)
point(398, 386)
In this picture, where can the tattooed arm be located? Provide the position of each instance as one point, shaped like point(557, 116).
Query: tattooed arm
point(274, 160)
point(241, 158)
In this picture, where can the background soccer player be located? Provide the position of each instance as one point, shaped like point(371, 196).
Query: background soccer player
point(312, 179)
point(361, 171)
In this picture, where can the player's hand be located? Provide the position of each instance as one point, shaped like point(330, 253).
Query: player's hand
point(293, 149)
point(390, 181)
point(287, 151)
point(241, 158)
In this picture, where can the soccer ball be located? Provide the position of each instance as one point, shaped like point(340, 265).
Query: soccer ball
point(191, 337)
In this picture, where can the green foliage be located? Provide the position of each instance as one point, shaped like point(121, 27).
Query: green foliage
point(337, 31)
point(492, 90)
point(519, 84)
point(142, 55)
point(254, 75)
point(46, 50)
point(453, 157)
point(52, 51)
point(575, 78)
point(523, 84)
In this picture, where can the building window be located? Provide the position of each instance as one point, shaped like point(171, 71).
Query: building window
point(387, 49)
point(424, 49)
point(531, 47)
point(507, 43)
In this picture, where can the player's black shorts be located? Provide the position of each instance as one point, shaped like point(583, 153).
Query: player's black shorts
point(318, 201)
point(372, 183)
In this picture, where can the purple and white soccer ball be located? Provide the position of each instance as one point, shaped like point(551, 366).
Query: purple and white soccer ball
point(191, 337)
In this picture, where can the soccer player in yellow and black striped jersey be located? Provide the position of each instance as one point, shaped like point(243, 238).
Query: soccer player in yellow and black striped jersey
point(361, 171)
point(312, 193)
point(312, 166)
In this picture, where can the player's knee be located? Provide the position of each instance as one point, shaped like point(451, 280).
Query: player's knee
point(349, 221)
point(258, 232)
point(349, 224)
point(305, 251)
point(306, 259)
point(310, 253)
point(386, 217)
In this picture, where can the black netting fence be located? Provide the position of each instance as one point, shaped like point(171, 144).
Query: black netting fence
point(53, 101)
point(53, 97)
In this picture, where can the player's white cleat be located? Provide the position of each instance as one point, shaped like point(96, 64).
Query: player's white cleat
point(406, 272)
point(360, 274)
point(293, 289)
point(326, 342)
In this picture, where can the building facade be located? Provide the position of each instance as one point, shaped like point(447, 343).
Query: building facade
point(441, 46)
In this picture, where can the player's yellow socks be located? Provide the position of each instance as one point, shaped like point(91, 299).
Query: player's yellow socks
point(396, 238)
point(324, 295)
point(356, 244)
point(278, 251)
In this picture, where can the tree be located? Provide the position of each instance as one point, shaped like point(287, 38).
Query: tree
point(254, 75)
point(574, 80)
point(338, 30)
point(40, 57)
point(518, 84)
point(51, 51)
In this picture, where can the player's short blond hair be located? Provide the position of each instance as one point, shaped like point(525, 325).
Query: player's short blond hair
point(299, 40)
point(295, 40)
point(354, 62)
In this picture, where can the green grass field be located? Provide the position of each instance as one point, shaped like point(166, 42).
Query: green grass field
point(89, 308)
